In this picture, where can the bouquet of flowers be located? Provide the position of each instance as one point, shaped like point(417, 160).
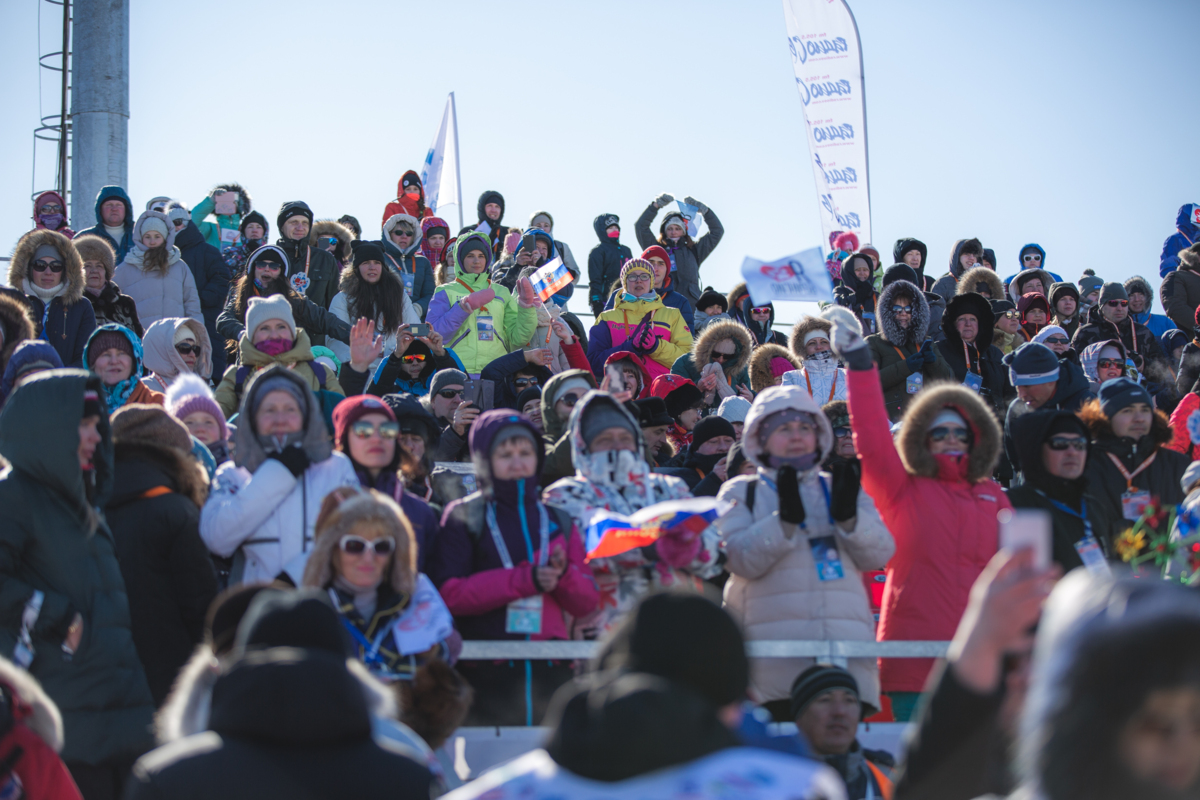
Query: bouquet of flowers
point(1163, 542)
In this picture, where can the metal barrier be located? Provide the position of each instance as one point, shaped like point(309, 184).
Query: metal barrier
point(834, 651)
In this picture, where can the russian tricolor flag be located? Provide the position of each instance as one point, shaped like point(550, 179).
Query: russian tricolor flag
point(611, 534)
point(549, 278)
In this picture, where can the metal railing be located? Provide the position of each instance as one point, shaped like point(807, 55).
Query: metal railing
point(835, 651)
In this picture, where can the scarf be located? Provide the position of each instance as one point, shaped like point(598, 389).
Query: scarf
point(364, 599)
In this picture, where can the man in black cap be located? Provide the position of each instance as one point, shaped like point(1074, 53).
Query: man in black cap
point(655, 422)
point(827, 711)
point(704, 464)
point(313, 272)
point(1109, 319)
point(1042, 381)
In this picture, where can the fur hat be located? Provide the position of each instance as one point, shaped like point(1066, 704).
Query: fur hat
point(711, 298)
point(138, 423)
point(367, 507)
point(96, 248)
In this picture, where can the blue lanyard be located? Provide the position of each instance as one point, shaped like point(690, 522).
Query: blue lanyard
point(370, 649)
point(1080, 514)
point(824, 490)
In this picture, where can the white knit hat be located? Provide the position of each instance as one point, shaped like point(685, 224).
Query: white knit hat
point(262, 309)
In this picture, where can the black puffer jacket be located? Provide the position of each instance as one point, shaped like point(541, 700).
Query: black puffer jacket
point(212, 282)
point(323, 270)
point(1140, 343)
point(168, 574)
point(985, 361)
point(604, 261)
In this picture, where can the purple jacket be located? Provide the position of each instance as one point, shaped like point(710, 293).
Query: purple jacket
point(424, 522)
point(466, 566)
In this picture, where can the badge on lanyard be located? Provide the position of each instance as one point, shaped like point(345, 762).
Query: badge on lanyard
point(408, 278)
point(973, 382)
point(1092, 556)
point(868, 322)
point(484, 328)
point(299, 282)
point(524, 616)
point(827, 558)
point(914, 383)
point(1133, 503)
point(671, 254)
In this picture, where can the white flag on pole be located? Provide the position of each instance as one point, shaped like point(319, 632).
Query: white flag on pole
point(439, 175)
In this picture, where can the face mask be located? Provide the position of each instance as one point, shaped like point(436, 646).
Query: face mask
point(274, 347)
point(51, 221)
point(633, 298)
point(799, 463)
point(614, 234)
point(616, 468)
point(277, 444)
point(413, 195)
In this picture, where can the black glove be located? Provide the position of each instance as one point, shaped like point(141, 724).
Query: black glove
point(597, 306)
point(294, 458)
point(928, 353)
point(791, 507)
point(843, 500)
point(915, 362)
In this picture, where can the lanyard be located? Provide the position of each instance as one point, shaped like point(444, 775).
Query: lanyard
point(1132, 333)
point(370, 649)
point(466, 286)
point(1126, 474)
point(1185, 236)
point(824, 489)
point(967, 358)
point(832, 388)
point(1066, 509)
point(543, 531)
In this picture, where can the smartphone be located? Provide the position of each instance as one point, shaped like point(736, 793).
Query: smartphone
point(479, 393)
point(616, 379)
point(1027, 528)
point(419, 329)
point(225, 203)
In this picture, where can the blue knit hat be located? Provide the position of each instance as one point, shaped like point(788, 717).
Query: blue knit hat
point(1031, 364)
point(1120, 393)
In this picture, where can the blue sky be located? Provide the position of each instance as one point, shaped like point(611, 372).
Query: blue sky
point(1069, 123)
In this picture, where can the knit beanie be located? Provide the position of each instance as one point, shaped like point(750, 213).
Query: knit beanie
point(675, 218)
point(1089, 283)
point(278, 383)
point(948, 416)
point(711, 428)
point(686, 639)
point(294, 208)
point(1065, 423)
point(470, 245)
point(511, 431)
point(352, 409)
point(107, 340)
point(780, 365)
point(900, 272)
point(1048, 331)
point(777, 419)
point(635, 264)
point(178, 211)
point(734, 459)
point(1000, 306)
point(446, 377)
point(138, 423)
point(254, 216)
point(816, 681)
point(1063, 289)
point(1031, 364)
point(1113, 291)
point(261, 309)
point(532, 393)
point(656, 251)
point(188, 394)
point(599, 417)
point(838, 413)
point(578, 383)
point(47, 251)
point(153, 223)
point(734, 409)
point(1120, 393)
point(711, 298)
point(538, 217)
point(366, 251)
point(29, 356)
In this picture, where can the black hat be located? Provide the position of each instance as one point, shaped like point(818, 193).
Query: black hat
point(900, 272)
point(1112, 291)
point(711, 298)
point(1063, 289)
point(225, 613)
point(681, 399)
point(711, 428)
point(351, 223)
point(652, 412)
point(366, 251)
point(686, 639)
point(302, 619)
point(815, 681)
point(253, 216)
point(531, 393)
point(1120, 393)
point(999, 306)
point(734, 460)
point(294, 208)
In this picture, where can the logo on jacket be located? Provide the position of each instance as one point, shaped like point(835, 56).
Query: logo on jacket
point(299, 282)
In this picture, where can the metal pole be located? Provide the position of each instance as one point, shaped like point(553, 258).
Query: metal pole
point(62, 123)
point(99, 104)
point(457, 165)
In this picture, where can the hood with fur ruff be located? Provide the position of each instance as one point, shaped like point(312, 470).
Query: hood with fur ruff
point(31, 705)
point(372, 508)
point(22, 257)
point(918, 419)
point(803, 328)
point(328, 227)
point(1046, 278)
point(970, 280)
point(15, 326)
point(715, 332)
point(917, 329)
point(760, 365)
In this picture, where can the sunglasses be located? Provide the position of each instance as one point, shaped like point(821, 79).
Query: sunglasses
point(450, 394)
point(525, 383)
point(51, 208)
point(179, 223)
point(569, 400)
point(1117, 303)
point(943, 432)
point(183, 348)
point(902, 310)
point(1057, 340)
point(1060, 444)
point(356, 545)
point(1109, 363)
point(386, 430)
point(722, 357)
point(760, 310)
point(1032, 257)
point(841, 433)
point(42, 266)
point(413, 358)
point(1010, 314)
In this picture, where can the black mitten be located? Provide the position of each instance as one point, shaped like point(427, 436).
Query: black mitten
point(294, 458)
point(843, 499)
point(791, 507)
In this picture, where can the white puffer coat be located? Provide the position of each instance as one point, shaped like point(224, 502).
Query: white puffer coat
point(774, 589)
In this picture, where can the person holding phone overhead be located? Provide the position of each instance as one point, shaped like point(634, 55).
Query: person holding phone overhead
point(943, 457)
point(229, 203)
point(408, 369)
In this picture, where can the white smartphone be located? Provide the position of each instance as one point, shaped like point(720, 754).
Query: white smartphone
point(1027, 528)
point(616, 379)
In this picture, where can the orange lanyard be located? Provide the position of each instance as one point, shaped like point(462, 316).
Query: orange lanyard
point(897, 349)
point(967, 358)
point(1126, 474)
point(1132, 333)
point(832, 387)
point(467, 287)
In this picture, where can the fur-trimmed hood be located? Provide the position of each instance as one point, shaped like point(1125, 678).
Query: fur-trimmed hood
point(803, 328)
point(31, 705)
point(244, 204)
point(970, 280)
point(372, 508)
point(779, 398)
point(22, 257)
point(760, 365)
point(191, 479)
point(1139, 284)
point(917, 329)
point(329, 227)
point(715, 332)
point(926, 405)
point(95, 248)
point(1047, 279)
point(15, 325)
point(961, 247)
point(734, 298)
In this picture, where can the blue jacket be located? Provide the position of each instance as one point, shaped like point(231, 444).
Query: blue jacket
point(1157, 323)
point(212, 276)
point(109, 193)
point(1187, 233)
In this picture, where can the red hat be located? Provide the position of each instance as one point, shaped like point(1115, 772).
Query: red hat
point(351, 410)
point(1031, 299)
point(678, 392)
point(658, 251)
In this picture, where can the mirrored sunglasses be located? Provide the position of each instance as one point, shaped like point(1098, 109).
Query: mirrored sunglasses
point(1110, 363)
point(42, 266)
point(413, 358)
point(525, 383)
point(1060, 444)
point(944, 432)
point(386, 430)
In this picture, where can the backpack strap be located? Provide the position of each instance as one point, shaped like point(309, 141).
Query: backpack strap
point(240, 379)
point(319, 371)
point(750, 489)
